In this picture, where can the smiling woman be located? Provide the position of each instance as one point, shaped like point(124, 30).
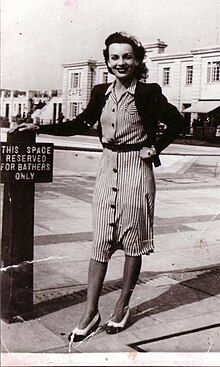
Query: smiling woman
point(128, 112)
point(133, 51)
point(122, 61)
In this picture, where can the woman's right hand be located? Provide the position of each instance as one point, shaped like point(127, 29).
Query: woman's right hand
point(24, 126)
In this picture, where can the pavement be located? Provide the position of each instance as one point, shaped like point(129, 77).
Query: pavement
point(175, 307)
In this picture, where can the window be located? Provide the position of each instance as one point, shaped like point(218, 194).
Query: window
point(54, 112)
point(7, 110)
point(7, 93)
point(59, 108)
point(213, 72)
point(105, 77)
point(75, 80)
point(166, 76)
point(73, 109)
point(189, 74)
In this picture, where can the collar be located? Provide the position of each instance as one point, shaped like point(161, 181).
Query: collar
point(130, 89)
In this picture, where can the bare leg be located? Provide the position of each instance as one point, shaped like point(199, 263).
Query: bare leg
point(96, 276)
point(132, 269)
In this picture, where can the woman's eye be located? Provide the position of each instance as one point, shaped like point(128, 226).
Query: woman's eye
point(114, 57)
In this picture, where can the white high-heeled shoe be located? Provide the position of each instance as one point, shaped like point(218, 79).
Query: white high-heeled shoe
point(78, 335)
point(115, 327)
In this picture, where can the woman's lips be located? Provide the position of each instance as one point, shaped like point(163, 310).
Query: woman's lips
point(122, 70)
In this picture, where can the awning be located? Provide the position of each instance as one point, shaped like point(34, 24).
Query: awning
point(203, 106)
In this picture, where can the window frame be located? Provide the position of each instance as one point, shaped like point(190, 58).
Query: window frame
point(213, 72)
point(166, 76)
point(75, 80)
point(105, 77)
point(189, 74)
point(74, 108)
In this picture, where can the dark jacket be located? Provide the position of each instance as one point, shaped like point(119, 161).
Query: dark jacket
point(152, 107)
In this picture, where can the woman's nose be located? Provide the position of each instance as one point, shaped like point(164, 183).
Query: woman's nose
point(121, 61)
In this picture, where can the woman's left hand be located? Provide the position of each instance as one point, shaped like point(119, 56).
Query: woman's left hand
point(146, 152)
point(24, 126)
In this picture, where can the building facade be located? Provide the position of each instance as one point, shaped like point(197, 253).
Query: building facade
point(190, 81)
point(44, 106)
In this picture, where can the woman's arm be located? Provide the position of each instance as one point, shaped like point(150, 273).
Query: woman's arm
point(170, 116)
point(83, 121)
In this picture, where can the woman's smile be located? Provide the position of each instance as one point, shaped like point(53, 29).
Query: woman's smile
point(122, 60)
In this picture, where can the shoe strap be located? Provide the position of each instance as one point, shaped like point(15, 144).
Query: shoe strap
point(123, 321)
point(84, 331)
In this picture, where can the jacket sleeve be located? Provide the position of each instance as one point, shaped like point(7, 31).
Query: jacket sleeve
point(80, 124)
point(170, 116)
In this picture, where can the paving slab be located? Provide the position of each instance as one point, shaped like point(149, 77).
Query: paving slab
point(176, 240)
point(202, 255)
point(69, 251)
point(167, 260)
point(145, 294)
point(201, 201)
point(173, 164)
point(48, 277)
point(216, 313)
point(28, 336)
point(209, 229)
point(76, 270)
point(169, 299)
point(201, 341)
point(206, 305)
point(161, 281)
point(169, 330)
point(45, 211)
point(202, 236)
point(62, 202)
point(115, 269)
point(60, 226)
point(64, 317)
point(208, 283)
point(103, 342)
point(41, 230)
point(53, 239)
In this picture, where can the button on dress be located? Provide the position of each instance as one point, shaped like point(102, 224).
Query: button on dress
point(124, 193)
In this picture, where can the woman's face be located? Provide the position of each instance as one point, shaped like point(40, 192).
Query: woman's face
point(122, 61)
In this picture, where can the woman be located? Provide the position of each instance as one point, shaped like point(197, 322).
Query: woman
point(127, 112)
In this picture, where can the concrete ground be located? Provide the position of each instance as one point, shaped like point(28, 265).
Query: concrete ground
point(175, 306)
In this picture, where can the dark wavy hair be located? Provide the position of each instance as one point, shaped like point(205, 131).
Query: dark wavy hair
point(141, 70)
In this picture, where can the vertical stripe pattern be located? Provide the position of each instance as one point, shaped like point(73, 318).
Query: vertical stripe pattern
point(123, 200)
point(120, 120)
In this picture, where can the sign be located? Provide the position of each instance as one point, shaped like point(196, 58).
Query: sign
point(75, 92)
point(23, 162)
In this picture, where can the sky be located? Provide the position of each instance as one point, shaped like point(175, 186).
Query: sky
point(38, 36)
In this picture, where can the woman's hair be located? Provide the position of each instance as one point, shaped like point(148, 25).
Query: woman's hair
point(139, 52)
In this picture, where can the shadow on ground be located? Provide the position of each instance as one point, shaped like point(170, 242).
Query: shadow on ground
point(193, 285)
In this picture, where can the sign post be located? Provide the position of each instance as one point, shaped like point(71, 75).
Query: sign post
point(23, 162)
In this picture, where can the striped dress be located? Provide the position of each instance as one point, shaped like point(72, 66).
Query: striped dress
point(123, 200)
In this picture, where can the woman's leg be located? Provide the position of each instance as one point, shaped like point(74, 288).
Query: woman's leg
point(96, 276)
point(132, 268)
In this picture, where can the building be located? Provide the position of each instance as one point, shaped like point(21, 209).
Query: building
point(190, 81)
point(44, 106)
